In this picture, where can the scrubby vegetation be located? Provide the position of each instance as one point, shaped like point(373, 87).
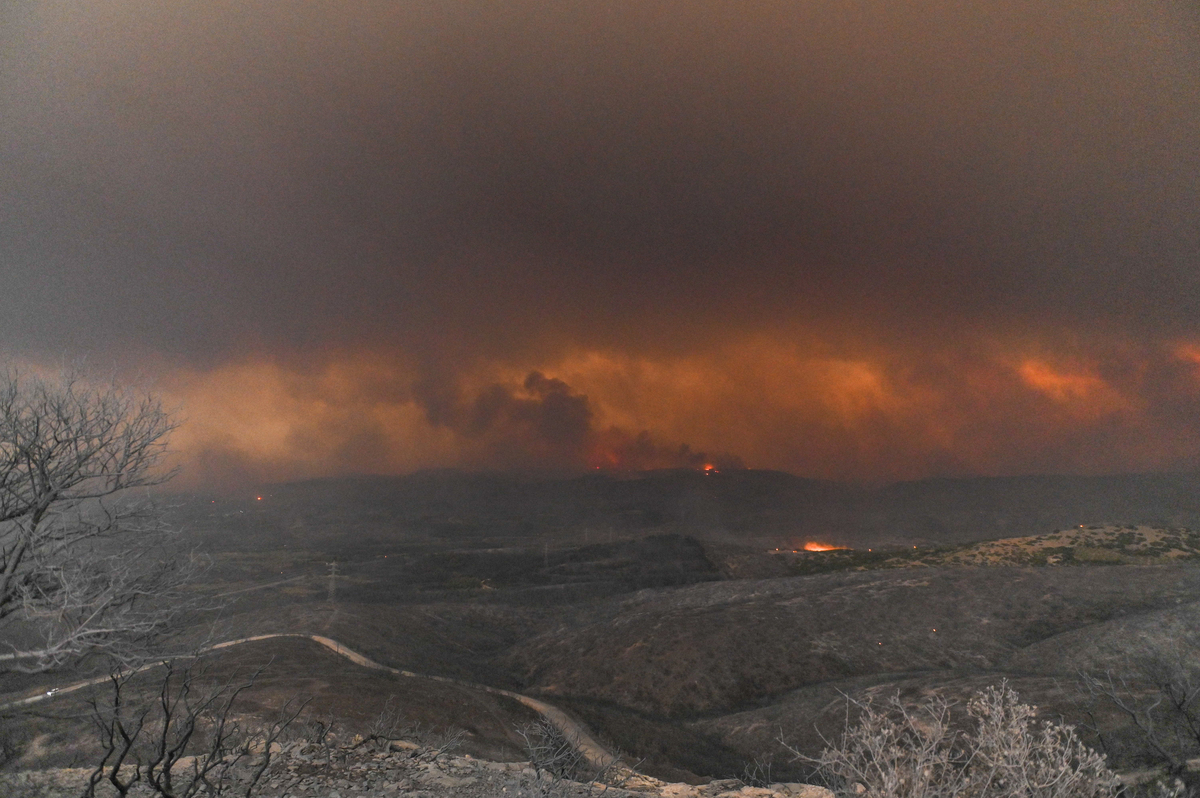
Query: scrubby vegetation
point(1109, 544)
point(898, 751)
point(672, 636)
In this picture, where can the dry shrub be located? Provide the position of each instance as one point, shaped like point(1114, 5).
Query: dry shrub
point(550, 751)
point(896, 751)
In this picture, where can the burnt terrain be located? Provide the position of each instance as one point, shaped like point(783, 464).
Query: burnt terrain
point(677, 613)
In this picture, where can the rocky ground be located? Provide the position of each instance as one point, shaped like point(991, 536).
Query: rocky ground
point(302, 770)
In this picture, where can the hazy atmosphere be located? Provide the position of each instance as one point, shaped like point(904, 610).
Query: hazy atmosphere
point(555, 399)
point(861, 240)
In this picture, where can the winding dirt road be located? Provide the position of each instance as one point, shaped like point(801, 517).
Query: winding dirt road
point(596, 754)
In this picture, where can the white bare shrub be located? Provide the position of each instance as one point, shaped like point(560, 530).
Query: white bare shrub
point(897, 751)
point(1012, 755)
point(85, 565)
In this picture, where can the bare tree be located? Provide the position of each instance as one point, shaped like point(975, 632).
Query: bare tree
point(85, 564)
point(184, 741)
point(1157, 692)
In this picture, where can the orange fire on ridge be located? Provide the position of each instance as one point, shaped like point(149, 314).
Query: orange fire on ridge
point(814, 546)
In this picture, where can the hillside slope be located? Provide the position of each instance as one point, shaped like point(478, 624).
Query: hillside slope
point(715, 647)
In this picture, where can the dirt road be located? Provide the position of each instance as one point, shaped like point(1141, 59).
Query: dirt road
point(596, 754)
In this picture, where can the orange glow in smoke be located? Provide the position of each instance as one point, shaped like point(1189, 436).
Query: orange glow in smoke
point(1188, 352)
point(805, 408)
point(814, 546)
point(1065, 386)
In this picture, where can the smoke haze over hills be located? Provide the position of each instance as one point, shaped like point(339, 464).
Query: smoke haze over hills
point(847, 240)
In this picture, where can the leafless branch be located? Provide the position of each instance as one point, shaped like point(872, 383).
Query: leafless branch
point(86, 563)
point(550, 751)
point(186, 740)
point(1157, 690)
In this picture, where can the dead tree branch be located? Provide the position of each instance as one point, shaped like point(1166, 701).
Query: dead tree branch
point(86, 563)
point(186, 740)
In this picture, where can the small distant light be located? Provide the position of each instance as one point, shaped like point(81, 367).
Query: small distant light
point(260, 498)
point(879, 644)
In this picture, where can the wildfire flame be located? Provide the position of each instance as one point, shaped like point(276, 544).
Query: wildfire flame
point(814, 546)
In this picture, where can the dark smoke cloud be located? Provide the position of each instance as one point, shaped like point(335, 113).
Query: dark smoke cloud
point(473, 188)
point(542, 419)
point(543, 423)
point(203, 178)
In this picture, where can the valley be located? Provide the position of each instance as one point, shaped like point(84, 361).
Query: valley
point(686, 635)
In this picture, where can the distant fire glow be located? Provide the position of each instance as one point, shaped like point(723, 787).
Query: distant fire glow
point(814, 546)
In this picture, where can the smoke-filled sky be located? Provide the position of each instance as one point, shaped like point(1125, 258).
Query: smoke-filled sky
point(851, 239)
